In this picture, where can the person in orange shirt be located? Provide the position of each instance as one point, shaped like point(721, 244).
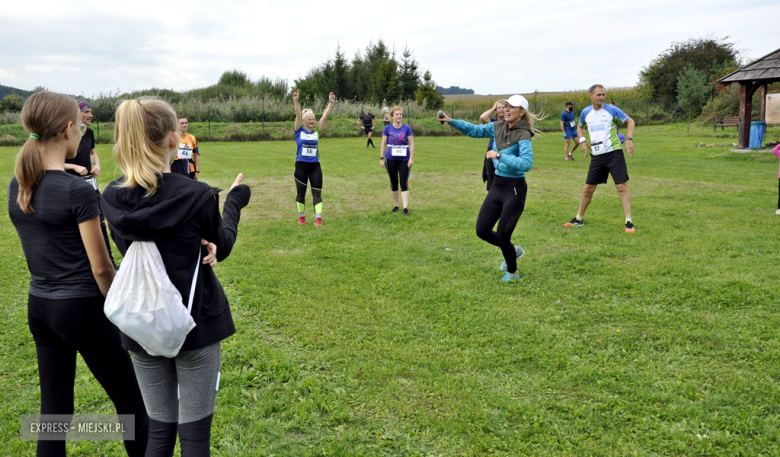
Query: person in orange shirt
point(188, 158)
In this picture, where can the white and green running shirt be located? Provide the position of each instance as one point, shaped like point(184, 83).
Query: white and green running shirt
point(601, 128)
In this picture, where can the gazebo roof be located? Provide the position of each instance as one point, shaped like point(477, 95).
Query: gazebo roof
point(766, 69)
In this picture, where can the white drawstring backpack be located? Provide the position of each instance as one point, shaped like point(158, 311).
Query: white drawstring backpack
point(145, 305)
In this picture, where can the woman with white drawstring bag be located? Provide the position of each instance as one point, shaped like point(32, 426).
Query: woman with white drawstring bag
point(166, 299)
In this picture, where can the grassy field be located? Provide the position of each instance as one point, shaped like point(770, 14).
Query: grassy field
point(381, 335)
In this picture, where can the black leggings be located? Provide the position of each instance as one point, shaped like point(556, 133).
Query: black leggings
point(504, 204)
point(396, 168)
point(61, 328)
point(310, 172)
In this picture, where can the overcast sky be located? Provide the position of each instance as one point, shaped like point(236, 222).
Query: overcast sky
point(494, 47)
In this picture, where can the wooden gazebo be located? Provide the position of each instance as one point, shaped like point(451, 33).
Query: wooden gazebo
point(751, 77)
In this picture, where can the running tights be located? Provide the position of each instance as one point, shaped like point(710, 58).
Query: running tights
point(61, 328)
point(504, 204)
point(310, 172)
point(192, 375)
point(396, 169)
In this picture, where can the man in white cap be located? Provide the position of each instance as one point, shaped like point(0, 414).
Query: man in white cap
point(606, 151)
point(512, 156)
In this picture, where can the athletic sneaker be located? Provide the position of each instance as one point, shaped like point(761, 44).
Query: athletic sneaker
point(395, 210)
point(509, 276)
point(571, 157)
point(629, 227)
point(406, 212)
point(574, 223)
point(302, 220)
point(318, 222)
point(520, 253)
point(567, 158)
point(777, 212)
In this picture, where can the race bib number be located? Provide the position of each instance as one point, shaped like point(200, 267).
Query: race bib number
point(597, 148)
point(184, 153)
point(92, 181)
point(571, 124)
point(308, 152)
point(398, 151)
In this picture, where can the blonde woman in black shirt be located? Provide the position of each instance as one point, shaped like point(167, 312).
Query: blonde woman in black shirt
point(56, 217)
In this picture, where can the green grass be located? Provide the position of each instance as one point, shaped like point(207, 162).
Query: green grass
point(380, 335)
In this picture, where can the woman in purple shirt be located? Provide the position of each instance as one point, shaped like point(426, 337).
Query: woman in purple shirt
point(398, 156)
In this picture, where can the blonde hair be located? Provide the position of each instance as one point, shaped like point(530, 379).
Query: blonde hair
point(394, 109)
point(141, 133)
point(307, 111)
point(530, 118)
point(45, 114)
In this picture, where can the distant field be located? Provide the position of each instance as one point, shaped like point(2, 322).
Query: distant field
point(384, 335)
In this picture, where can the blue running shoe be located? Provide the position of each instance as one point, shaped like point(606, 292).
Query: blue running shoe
point(520, 253)
point(509, 276)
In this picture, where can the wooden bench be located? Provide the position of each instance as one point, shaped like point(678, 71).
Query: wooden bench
point(728, 121)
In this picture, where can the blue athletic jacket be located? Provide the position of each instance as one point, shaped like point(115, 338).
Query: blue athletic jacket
point(513, 143)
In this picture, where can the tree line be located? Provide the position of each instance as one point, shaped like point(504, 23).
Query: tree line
point(374, 75)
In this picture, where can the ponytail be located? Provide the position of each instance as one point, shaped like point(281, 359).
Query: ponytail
point(141, 133)
point(530, 118)
point(45, 115)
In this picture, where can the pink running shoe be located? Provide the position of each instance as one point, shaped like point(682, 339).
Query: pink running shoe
point(318, 222)
point(302, 220)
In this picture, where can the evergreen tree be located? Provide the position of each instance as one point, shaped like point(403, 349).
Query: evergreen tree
point(341, 76)
point(409, 75)
point(427, 95)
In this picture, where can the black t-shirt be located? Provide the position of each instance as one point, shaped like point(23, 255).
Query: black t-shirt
point(367, 119)
point(51, 241)
point(82, 155)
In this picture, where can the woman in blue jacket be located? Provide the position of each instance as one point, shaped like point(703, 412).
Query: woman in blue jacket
point(512, 156)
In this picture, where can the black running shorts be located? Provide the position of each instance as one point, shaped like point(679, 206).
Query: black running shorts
point(611, 163)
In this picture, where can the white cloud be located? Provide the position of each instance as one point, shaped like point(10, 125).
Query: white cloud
point(492, 47)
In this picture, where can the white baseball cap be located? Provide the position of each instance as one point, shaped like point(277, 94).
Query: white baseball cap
point(515, 100)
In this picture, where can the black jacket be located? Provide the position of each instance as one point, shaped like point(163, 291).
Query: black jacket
point(176, 217)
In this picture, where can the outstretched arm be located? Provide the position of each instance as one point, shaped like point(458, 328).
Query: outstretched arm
point(297, 105)
point(469, 129)
point(331, 101)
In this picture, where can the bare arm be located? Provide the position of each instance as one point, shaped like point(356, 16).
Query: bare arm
point(93, 157)
point(581, 134)
point(324, 118)
point(629, 134)
point(102, 269)
point(77, 168)
point(563, 129)
point(297, 105)
point(382, 150)
point(411, 151)
point(196, 160)
point(485, 117)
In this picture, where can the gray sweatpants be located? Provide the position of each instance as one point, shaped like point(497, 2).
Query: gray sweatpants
point(191, 375)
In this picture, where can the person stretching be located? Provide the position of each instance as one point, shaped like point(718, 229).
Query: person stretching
point(512, 157)
point(488, 171)
point(607, 152)
point(307, 161)
point(398, 149)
